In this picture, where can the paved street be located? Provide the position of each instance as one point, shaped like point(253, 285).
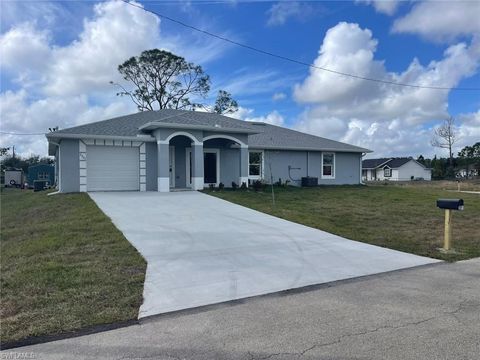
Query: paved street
point(430, 312)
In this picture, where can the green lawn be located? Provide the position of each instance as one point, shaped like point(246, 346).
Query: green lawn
point(404, 218)
point(64, 266)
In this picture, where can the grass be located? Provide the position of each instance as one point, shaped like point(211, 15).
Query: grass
point(401, 217)
point(64, 266)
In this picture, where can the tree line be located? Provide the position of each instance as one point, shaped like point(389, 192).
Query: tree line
point(467, 159)
point(20, 162)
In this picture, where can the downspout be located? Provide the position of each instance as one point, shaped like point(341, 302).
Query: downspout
point(361, 169)
point(308, 158)
point(59, 181)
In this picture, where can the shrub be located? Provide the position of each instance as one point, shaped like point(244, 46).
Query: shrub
point(234, 185)
point(244, 185)
point(257, 185)
point(221, 186)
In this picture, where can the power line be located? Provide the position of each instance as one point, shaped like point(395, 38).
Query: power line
point(20, 134)
point(295, 60)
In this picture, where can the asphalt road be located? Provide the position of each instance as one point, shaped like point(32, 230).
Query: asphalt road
point(430, 312)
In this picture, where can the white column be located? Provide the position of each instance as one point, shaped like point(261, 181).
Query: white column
point(243, 166)
point(197, 167)
point(163, 180)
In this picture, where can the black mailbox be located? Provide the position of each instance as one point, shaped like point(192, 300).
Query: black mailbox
point(451, 204)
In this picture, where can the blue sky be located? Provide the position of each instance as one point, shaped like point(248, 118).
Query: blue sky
point(58, 57)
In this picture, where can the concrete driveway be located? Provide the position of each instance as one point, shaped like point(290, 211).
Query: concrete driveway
point(203, 250)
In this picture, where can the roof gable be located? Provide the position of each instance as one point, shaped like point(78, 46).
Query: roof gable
point(393, 163)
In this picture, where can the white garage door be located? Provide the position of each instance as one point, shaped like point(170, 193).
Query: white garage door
point(112, 168)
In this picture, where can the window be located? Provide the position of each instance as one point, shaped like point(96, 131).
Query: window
point(328, 165)
point(387, 172)
point(255, 164)
point(43, 176)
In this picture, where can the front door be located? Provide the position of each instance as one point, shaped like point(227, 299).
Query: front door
point(172, 166)
point(210, 167)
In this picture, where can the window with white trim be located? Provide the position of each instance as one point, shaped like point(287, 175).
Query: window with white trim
point(387, 172)
point(328, 165)
point(255, 164)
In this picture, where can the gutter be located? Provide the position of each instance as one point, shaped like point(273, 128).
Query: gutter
point(294, 148)
point(156, 125)
point(147, 138)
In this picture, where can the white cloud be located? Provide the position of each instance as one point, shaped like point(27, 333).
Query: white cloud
point(388, 7)
point(116, 32)
point(441, 20)
point(384, 118)
point(247, 82)
point(273, 118)
point(242, 113)
point(469, 128)
point(20, 115)
point(279, 96)
point(67, 85)
point(25, 52)
point(279, 13)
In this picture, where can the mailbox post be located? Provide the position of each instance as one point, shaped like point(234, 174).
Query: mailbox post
point(448, 205)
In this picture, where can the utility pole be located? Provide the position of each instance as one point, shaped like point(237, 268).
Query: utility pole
point(13, 150)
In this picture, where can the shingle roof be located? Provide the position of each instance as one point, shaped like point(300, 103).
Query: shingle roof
point(373, 163)
point(391, 162)
point(129, 125)
point(276, 137)
point(261, 135)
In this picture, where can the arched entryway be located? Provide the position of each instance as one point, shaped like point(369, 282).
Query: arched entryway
point(178, 147)
point(225, 160)
point(194, 161)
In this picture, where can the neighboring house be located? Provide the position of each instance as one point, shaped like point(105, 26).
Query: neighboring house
point(464, 173)
point(174, 149)
point(44, 172)
point(395, 169)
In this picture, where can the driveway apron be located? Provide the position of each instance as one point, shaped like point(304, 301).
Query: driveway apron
point(203, 250)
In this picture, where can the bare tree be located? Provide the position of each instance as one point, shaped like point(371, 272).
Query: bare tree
point(445, 136)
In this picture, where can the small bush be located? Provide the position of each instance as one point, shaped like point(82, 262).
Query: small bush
point(243, 186)
point(257, 185)
point(221, 186)
point(234, 185)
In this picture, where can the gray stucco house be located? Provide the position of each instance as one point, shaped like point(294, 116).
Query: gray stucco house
point(169, 149)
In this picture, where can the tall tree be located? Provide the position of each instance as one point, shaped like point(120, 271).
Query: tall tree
point(470, 156)
point(445, 136)
point(162, 80)
point(225, 104)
